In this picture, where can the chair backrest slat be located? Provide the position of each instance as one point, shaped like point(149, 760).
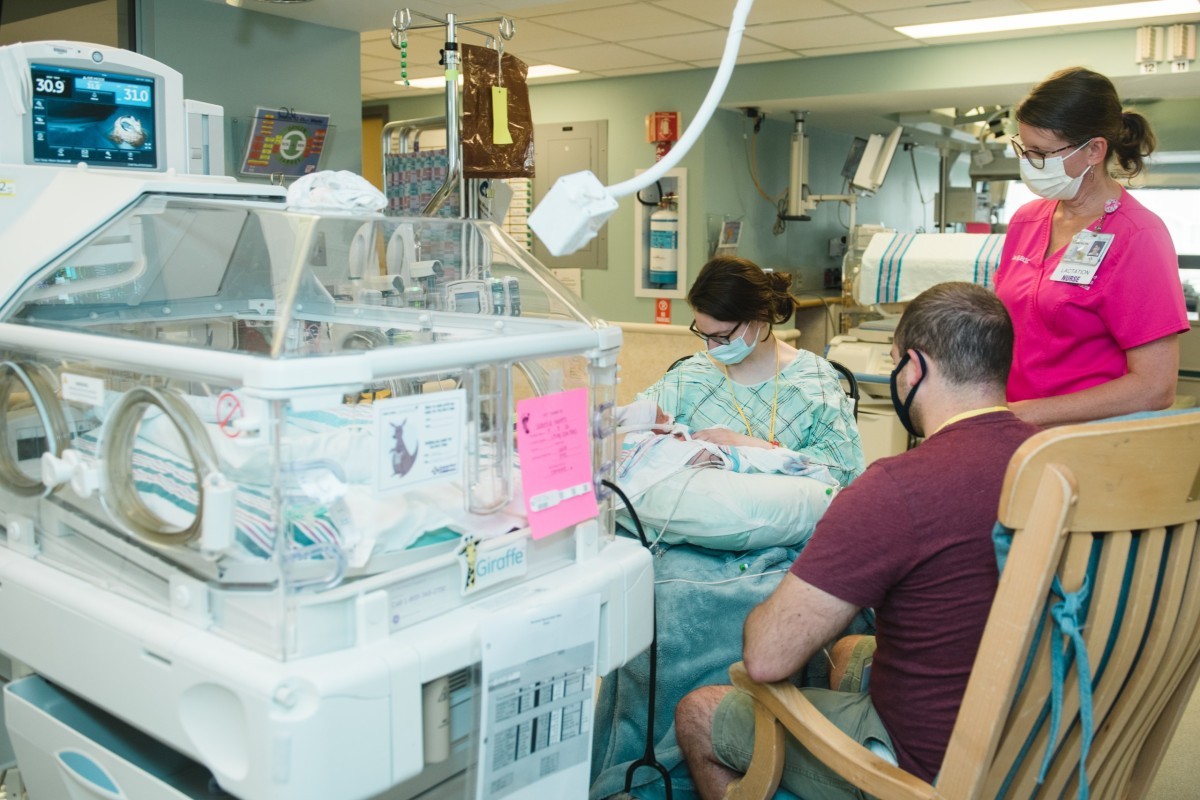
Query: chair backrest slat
point(1129, 657)
point(1135, 716)
point(1111, 504)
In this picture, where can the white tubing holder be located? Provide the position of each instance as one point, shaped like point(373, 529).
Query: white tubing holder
point(578, 205)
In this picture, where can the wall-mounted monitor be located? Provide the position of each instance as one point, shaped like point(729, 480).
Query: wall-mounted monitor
point(876, 158)
point(93, 116)
point(854, 157)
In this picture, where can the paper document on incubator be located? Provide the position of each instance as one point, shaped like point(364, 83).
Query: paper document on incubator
point(539, 683)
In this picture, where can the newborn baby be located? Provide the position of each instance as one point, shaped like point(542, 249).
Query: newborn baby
point(654, 447)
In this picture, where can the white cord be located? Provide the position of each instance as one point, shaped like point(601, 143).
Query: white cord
point(727, 580)
point(732, 42)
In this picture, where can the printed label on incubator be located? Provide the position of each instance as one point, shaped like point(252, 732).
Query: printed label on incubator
point(82, 389)
point(483, 566)
point(420, 439)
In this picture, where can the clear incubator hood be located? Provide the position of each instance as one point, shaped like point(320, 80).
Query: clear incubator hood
point(252, 418)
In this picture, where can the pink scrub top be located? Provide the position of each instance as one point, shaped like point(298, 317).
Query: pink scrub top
point(1071, 337)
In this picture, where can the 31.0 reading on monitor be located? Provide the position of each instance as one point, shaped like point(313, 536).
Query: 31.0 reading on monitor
point(99, 118)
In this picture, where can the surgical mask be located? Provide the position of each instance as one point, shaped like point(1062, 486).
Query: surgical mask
point(1052, 181)
point(736, 351)
point(903, 409)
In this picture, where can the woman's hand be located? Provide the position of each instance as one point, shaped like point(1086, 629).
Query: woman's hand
point(728, 438)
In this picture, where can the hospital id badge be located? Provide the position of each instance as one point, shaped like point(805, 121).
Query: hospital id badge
point(1082, 259)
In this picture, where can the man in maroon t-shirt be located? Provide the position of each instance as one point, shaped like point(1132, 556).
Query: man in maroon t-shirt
point(910, 538)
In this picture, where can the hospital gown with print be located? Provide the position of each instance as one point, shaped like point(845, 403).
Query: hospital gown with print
point(813, 415)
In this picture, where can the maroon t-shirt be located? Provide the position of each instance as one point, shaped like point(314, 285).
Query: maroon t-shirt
point(911, 538)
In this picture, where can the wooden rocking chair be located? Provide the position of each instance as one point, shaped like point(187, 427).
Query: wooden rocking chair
point(1103, 525)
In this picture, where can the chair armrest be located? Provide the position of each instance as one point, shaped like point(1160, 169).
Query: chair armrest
point(827, 742)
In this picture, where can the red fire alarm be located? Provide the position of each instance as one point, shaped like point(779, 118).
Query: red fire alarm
point(662, 128)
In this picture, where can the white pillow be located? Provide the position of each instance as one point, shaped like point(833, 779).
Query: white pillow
point(731, 510)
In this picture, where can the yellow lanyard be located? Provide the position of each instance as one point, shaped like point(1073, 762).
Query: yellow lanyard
point(774, 400)
point(968, 414)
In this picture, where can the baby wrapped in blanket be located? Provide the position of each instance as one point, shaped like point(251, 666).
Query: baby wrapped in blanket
point(720, 496)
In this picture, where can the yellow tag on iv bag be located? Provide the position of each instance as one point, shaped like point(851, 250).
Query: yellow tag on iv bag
point(500, 134)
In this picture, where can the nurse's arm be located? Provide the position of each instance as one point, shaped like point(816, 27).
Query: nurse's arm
point(1148, 386)
point(784, 631)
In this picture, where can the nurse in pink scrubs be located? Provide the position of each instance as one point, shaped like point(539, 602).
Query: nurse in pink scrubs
point(1089, 275)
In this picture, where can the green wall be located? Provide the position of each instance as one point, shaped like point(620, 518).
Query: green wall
point(241, 59)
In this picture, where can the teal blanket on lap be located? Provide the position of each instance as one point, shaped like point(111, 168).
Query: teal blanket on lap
point(702, 598)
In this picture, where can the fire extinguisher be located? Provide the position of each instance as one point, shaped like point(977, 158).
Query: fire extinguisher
point(664, 244)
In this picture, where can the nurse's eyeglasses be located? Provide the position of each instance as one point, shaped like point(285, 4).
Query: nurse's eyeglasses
point(718, 340)
point(1036, 158)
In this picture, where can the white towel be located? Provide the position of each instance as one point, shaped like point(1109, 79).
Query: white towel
point(339, 190)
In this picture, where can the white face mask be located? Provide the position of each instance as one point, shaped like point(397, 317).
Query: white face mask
point(736, 351)
point(1052, 181)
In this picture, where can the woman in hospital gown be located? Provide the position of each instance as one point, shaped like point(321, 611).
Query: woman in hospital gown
point(748, 388)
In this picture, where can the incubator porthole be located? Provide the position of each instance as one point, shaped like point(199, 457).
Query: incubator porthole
point(32, 422)
point(165, 503)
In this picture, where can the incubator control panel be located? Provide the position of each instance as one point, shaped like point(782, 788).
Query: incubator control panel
point(91, 104)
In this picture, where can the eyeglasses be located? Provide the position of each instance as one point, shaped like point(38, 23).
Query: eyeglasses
point(719, 340)
point(1036, 158)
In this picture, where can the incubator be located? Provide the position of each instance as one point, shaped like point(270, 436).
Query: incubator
point(258, 482)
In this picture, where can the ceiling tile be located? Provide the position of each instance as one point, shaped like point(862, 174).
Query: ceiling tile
point(950, 13)
point(826, 32)
point(872, 6)
point(696, 46)
point(421, 45)
point(1055, 5)
point(599, 57)
point(533, 10)
point(369, 63)
point(533, 36)
point(621, 23)
point(720, 12)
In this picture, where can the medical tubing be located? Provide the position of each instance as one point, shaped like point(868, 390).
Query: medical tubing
point(50, 413)
point(736, 27)
point(116, 454)
point(647, 759)
point(657, 202)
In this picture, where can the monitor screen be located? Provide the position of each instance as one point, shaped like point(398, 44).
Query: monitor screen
point(853, 158)
point(101, 118)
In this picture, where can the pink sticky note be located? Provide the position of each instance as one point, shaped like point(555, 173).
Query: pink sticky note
point(556, 464)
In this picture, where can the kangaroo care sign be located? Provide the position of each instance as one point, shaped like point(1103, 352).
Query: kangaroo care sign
point(420, 439)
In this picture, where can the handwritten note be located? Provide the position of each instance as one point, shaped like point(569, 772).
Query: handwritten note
point(556, 464)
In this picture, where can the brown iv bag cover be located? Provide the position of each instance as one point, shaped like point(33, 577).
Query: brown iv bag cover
point(482, 157)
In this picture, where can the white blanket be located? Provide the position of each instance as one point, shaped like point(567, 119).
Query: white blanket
point(897, 267)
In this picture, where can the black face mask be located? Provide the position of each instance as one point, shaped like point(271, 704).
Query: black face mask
point(902, 409)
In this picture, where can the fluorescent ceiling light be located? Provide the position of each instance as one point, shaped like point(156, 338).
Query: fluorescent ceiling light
point(1052, 19)
point(540, 71)
point(435, 82)
point(550, 71)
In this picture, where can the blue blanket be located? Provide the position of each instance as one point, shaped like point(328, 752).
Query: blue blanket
point(702, 598)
